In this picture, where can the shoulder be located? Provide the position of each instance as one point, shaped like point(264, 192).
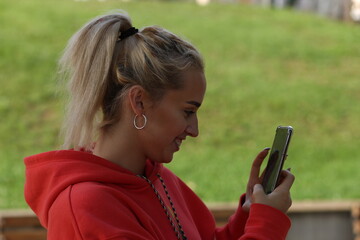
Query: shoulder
point(89, 194)
point(91, 199)
point(83, 207)
point(90, 189)
point(94, 209)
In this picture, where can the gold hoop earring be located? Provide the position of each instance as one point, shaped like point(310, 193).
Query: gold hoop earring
point(141, 127)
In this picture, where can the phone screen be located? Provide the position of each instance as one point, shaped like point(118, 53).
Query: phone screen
point(276, 158)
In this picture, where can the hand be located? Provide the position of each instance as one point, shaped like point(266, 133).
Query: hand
point(279, 198)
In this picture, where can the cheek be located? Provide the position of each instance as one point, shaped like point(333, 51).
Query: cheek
point(173, 126)
point(171, 123)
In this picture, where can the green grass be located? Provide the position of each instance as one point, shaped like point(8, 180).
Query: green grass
point(264, 68)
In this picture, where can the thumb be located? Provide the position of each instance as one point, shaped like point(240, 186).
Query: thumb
point(258, 188)
point(258, 192)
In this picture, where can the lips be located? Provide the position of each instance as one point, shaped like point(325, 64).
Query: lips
point(178, 142)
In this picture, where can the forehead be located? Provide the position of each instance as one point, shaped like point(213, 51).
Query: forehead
point(194, 79)
point(193, 89)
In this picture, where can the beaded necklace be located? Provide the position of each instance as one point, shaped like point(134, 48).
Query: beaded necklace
point(180, 234)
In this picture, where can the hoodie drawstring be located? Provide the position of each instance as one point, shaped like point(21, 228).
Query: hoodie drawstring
point(177, 228)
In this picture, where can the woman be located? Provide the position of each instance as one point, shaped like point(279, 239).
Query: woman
point(134, 96)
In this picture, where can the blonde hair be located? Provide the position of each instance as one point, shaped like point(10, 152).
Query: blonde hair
point(100, 69)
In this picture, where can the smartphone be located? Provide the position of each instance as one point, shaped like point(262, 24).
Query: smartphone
point(277, 156)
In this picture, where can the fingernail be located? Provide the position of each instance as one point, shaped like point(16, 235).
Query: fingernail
point(257, 187)
point(266, 149)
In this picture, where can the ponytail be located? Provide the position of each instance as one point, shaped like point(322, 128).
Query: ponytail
point(86, 63)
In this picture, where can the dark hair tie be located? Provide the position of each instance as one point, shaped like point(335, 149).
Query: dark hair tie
point(127, 33)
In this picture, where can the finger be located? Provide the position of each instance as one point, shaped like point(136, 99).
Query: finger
point(255, 168)
point(281, 177)
point(258, 193)
point(258, 188)
point(262, 175)
point(287, 181)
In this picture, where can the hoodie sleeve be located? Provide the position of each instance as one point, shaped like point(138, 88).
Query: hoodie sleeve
point(261, 223)
point(266, 223)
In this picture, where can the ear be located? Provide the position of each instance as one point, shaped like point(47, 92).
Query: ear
point(137, 97)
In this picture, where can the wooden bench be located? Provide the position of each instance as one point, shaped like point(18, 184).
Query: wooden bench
point(20, 225)
point(24, 225)
point(356, 221)
point(325, 219)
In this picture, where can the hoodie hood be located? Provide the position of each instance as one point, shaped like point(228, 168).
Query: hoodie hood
point(50, 173)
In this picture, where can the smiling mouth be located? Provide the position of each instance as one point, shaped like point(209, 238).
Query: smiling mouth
point(178, 142)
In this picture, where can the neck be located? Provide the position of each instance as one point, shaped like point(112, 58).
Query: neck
point(121, 148)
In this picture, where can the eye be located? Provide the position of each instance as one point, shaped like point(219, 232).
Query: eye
point(188, 113)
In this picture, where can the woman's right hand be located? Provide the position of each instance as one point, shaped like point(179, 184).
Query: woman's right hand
point(280, 198)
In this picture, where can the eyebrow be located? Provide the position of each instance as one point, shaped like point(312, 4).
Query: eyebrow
point(196, 104)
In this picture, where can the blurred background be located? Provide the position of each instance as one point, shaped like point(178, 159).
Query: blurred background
point(268, 63)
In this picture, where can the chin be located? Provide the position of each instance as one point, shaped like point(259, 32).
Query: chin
point(167, 159)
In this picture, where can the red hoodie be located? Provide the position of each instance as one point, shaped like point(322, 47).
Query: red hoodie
point(78, 195)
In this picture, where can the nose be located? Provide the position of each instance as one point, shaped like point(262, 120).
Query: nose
point(192, 129)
